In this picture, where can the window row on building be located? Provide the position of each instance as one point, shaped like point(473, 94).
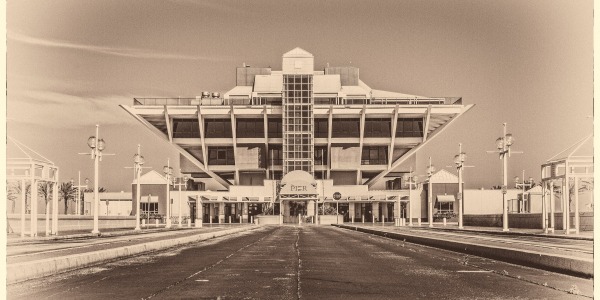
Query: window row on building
point(224, 155)
point(254, 128)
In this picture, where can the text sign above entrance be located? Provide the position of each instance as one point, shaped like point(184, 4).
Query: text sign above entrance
point(299, 187)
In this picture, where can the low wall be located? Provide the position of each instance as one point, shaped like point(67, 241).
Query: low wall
point(266, 220)
point(71, 223)
point(329, 219)
point(529, 221)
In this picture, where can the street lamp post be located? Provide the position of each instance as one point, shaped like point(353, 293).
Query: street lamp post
point(97, 145)
point(503, 144)
point(409, 179)
point(459, 160)
point(430, 171)
point(138, 162)
point(523, 184)
point(181, 181)
point(168, 170)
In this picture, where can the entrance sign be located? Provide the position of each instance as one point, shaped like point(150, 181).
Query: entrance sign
point(298, 183)
point(337, 196)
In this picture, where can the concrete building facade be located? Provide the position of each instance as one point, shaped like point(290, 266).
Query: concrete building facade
point(346, 144)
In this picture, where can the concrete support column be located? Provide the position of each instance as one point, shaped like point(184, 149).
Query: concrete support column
point(221, 212)
point(384, 211)
point(563, 209)
point(33, 199)
point(286, 208)
point(351, 212)
point(544, 208)
point(552, 206)
point(375, 206)
point(567, 212)
point(47, 210)
point(211, 212)
point(576, 188)
point(245, 213)
point(23, 207)
point(199, 214)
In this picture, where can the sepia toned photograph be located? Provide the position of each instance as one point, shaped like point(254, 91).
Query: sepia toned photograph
point(391, 149)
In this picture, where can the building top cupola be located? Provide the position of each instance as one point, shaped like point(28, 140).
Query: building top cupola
point(298, 61)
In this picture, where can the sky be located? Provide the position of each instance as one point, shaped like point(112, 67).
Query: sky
point(527, 63)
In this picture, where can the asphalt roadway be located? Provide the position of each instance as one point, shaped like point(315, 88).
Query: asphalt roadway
point(304, 262)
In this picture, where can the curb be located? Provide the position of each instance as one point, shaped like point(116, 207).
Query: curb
point(555, 263)
point(40, 268)
point(554, 236)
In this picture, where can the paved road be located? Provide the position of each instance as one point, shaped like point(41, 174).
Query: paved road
point(306, 262)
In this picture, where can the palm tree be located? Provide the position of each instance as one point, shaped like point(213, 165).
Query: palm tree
point(67, 192)
point(45, 191)
point(14, 191)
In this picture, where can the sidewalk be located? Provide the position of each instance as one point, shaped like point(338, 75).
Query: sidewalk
point(569, 254)
point(583, 235)
point(453, 226)
point(37, 257)
point(13, 238)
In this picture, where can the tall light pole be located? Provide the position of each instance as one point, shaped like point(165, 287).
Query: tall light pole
point(430, 171)
point(97, 145)
point(409, 179)
point(168, 170)
point(503, 144)
point(79, 186)
point(181, 181)
point(459, 160)
point(138, 162)
point(523, 184)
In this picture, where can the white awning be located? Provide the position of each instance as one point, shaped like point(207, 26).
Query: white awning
point(327, 84)
point(268, 83)
point(239, 91)
point(445, 198)
point(353, 90)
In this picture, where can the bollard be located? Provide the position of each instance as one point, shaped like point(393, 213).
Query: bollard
point(444, 222)
point(299, 220)
point(373, 220)
point(383, 221)
point(156, 222)
point(363, 219)
point(143, 222)
point(251, 219)
point(229, 219)
point(189, 223)
point(352, 219)
point(240, 219)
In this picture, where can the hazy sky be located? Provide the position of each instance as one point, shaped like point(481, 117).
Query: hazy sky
point(71, 63)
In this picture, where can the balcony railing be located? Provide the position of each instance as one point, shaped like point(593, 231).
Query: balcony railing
point(373, 162)
point(277, 101)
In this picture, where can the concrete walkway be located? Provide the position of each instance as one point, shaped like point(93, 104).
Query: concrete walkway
point(569, 254)
point(42, 256)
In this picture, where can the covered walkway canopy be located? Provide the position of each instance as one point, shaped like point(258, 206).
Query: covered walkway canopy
point(27, 170)
point(563, 174)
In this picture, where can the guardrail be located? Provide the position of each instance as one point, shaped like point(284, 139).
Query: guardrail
point(262, 101)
